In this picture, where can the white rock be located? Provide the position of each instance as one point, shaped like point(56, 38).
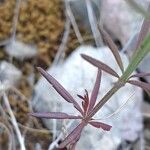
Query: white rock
point(75, 74)
point(144, 66)
point(9, 74)
point(118, 14)
point(20, 50)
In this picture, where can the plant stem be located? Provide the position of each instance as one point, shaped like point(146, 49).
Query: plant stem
point(108, 95)
point(139, 54)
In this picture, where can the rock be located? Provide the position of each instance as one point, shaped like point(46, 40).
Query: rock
point(146, 109)
point(144, 66)
point(20, 50)
point(118, 14)
point(9, 74)
point(75, 74)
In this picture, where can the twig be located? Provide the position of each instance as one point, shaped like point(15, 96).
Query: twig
point(15, 19)
point(28, 101)
point(4, 42)
point(62, 46)
point(19, 93)
point(5, 119)
point(14, 122)
point(54, 144)
point(9, 134)
point(73, 22)
point(32, 130)
point(93, 24)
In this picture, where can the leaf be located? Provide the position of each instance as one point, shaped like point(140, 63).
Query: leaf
point(95, 90)
point(137, 57)
point(54, 115)
point(100, 65)
point(73, 135)
point(60, 89)
point(143, 85)
point(73, 146)
point(107, 39)
point(144, 31)
point(80, 96)
point(85, 103)
point(104, 126)
point(74, 142)
point(139, 75)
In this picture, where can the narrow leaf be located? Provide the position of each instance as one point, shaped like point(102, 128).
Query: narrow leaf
point(54, 115)
point(73, 135)
point(143, 85)
point(60, 89)
point(144, 30)
point(73, 146)
point(107, 39)
point(76, 139)
point(95, 90)
point(86, 101)
point(100, 65)
point(81, 97)
point(140, 75)
point(104, 126)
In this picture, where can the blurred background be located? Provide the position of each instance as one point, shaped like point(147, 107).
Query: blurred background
point(52, 34)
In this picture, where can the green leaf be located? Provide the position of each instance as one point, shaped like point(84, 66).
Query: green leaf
point(138, 56)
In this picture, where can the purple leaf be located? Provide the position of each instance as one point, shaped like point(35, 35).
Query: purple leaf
point(60, 89)
point(100, 65)
point(81, 97)
point(54, 115)
point(73, 135)
point(85, 103)
point(143, 85)
point(107, 39)
point(104, 126)
point(73, 146)
point(139, 75)
point(75, 140)
point(95, 90)
point(144, 30)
